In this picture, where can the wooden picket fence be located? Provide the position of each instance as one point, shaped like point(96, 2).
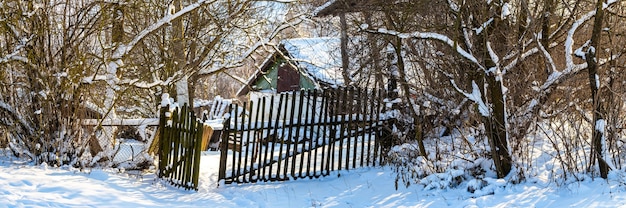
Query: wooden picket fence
point(302, 134)
point(180, 143)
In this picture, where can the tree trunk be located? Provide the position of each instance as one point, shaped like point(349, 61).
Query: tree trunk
point(345, 61)
point(545, 30)
point(495, 123)
point(179, 60)
point(594, 85)
point(375, 53)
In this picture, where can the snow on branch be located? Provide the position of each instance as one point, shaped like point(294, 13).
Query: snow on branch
point(453, 6)
point(547, 55)
point(483, 26)
point(492, 54)
point(569, 40)
point(124, 49)
point(7, 108)
point(434, 36)
point(571, 67)
point(517, 60)
point(475, 96)
point(606, 5)
point(261, 43)
point(557, 77)
point(15, 55)
point(324, 6)
point(217, 69)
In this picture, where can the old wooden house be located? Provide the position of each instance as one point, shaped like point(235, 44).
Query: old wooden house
point(302, 63)
point(298, 64)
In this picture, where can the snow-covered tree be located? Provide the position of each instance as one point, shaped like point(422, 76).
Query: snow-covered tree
point(507, 57)
point(64, 61)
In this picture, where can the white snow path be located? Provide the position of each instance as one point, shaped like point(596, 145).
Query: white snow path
point(42, 186)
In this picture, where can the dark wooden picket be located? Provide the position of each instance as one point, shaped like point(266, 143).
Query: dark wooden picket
point(179, 147)
point(302, 134)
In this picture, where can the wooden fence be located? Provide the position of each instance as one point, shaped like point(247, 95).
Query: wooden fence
point(179, 147)
point(303, 134)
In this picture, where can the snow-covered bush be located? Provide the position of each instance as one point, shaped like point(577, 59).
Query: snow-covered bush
point(449, 165)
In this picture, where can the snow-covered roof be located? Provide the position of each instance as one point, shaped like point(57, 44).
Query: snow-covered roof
point(317, 58)
point(320, 58)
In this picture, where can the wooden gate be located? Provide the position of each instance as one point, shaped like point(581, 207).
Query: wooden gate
point(302, 134)
point(179, 147)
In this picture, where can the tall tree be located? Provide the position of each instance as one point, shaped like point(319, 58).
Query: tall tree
point(599, 122)
point(64, 61)
point(485, 60)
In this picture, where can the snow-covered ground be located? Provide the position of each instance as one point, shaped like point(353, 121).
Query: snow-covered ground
point(24, 185)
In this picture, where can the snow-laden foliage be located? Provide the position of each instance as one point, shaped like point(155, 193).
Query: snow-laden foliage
point(456, 160)
point(503, 69)
point(69, 71)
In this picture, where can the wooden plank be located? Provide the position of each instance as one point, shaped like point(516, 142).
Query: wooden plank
point(224, 148)
point(274, 134)
point(239, 154)
point(289, 130)
point(297, 136)
point(207, 134)
point(355, 125)
point(362, 95)
point(186, 150)
point(333, 130)
point(372, 105)
point(161, 150)
point(180, 159)
point(245, 161)
point(284, 112)
point(180, 115)
point(182, 140)
point(256, 145)
point(306, 116)
point(196, 158)
point(233, 164)
point(325, 160)
point(349, 106)
point(196, 139)
point(342, 129)
point(377, 128)
point(168, 143)
point(312, 139)
point(263, 154)
point(165, 147)
point(189, 143)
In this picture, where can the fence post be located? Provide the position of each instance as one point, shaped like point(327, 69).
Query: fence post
point(246, 169)
point(161, 151)
point(224, 146)
point(282, 138)
point(197, 149)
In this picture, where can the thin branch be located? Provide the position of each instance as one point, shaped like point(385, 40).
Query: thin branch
point(123, 49)
point(432, 36)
